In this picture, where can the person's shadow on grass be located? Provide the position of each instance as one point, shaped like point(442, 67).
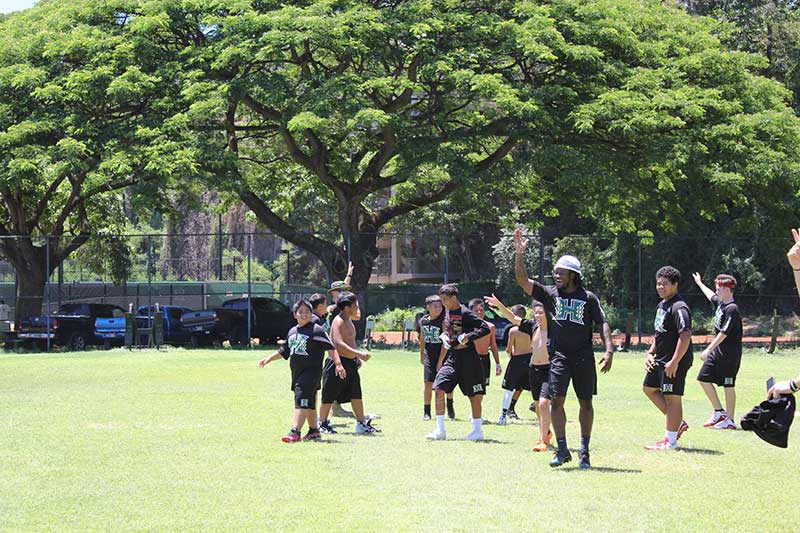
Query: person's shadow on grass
point(702, 451)
point(601, 469)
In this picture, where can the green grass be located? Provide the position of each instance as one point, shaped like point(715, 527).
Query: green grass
point(191, 440)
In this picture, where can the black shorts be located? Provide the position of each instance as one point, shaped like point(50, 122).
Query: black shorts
point(720, 370)
point(305, 384)
point(429, 366)
point(516, 376)
point(657, 378)
point(486, 363)
point(339, 390)
point(580, 369)
point(462, 368)
point(539, 378)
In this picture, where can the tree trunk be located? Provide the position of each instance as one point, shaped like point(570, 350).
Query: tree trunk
point(31, 281)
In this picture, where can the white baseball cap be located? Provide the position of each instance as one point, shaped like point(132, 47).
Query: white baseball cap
point(569, 262)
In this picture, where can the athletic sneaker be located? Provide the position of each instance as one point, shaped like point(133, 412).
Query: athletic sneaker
point(560, 458)
point(513, 415)
point(715, 419)
point(292, 436)
point(541, 446)
point(339, 411)
point(663, 444)
point(683, 428)
point(426, 417)
point(502, 421)
point(365, 428)
point(372, 416)
point(326, 427)
point(476, 434)
point(436, 435)
point(583, 460)
point(727, 423)
point(532, 406)
point(313, 434)
point(451, 412)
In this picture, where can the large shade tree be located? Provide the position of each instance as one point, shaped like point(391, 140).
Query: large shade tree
point(85, 112)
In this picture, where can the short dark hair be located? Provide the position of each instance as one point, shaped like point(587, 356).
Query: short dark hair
point(518, 310)
point(300, 303)
point(433, 298)
point(475, 302)
point(345, 299)
point(670, 273)
point(448, 289)
point(726, 280)
point(317, 299)
point(536, 303)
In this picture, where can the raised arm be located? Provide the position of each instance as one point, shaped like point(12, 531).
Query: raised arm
point(495, 302)
point(520, 243)
point(708, 293)
point(793, 255)
point(349, 275)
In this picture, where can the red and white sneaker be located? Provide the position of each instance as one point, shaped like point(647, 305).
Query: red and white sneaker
point(727, 423)
point(292, 436)
point(661, 445)
point(715, 419)
point(683, 428)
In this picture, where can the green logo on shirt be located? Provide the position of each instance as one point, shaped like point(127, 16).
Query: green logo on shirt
point(569, 309)
point(659, 322)
point(431, 334)
point(298, 344)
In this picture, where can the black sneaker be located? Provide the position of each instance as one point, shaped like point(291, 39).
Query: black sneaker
point(313, 434)
point(365, 428)
point(426, 417)
point(560, 458)
point(451, 412)
point(512, 415)
point(583, 459)
point(326, 427)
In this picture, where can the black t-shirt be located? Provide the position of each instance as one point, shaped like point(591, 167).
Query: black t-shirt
point(306, 346)
point(528, 326)
point(429, 330)
point(727, 320)
point(672, 318)
point(321, 321)
point(572, 317)
point(462, 320)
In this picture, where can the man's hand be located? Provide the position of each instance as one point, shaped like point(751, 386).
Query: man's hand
point(520, 243)
point(498, 369)
point(492, 301)
point(704, 355)
point(340, 371)
point(671, 369)
point(605, 362)
point(698, 280)
point(462, 340)
point(780, 388)
point(263, 363)
point(349, 269)
point(650, 362)
point(793, 255)
point(365, 356)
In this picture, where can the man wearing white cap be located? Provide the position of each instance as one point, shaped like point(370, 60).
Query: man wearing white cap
point(572, 312)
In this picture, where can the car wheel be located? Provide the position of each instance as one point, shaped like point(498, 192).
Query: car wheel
point(76, 342)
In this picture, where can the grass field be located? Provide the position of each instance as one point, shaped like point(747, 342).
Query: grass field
point(191, 440)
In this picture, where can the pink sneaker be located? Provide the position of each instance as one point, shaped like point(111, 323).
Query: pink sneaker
point(715, 419)
point(661, 445)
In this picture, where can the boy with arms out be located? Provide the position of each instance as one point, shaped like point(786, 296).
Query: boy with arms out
point(348, 388)
point(462, 365)
point(669, 357)
point(305, 347)
point(484, 344)
point(431, 350)
point(519, 351)
point(721, 358)
point(539, 368)
point(572, 312)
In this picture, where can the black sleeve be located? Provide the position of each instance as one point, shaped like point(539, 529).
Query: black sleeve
point(283, 349)
point(729, 319)
point(528, 326)
point(682, 318)
point(539, 292)
point(596, 310)
point(479, 327)
point(715, 300)
point(321, 336)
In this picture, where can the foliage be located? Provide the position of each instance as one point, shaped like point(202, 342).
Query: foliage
point(394, 319)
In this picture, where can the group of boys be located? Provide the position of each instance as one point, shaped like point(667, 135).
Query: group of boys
point(555, 348)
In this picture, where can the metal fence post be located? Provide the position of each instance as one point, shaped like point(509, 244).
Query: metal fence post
point(447, 259)
point(249, 289)
point(149, 281)
point(219, 248)
point(541, 256)
point(47, 287)
point(639, 313)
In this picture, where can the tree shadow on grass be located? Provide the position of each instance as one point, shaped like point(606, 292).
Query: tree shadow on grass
point(702, 451)
point(487, 441)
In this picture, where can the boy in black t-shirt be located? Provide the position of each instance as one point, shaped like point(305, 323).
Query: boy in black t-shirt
point(305, 347)
point(669, 357)
point(432, 352)
point(319, 308)
point(462, 365)
point(721, 358)
point(572, 314)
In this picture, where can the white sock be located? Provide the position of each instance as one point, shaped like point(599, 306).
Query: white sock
point(476, 424)
point(507, 399)
point(672, 437)
point(440, 423)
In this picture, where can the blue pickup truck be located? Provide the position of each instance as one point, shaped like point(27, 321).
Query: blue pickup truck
point(112, 330)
